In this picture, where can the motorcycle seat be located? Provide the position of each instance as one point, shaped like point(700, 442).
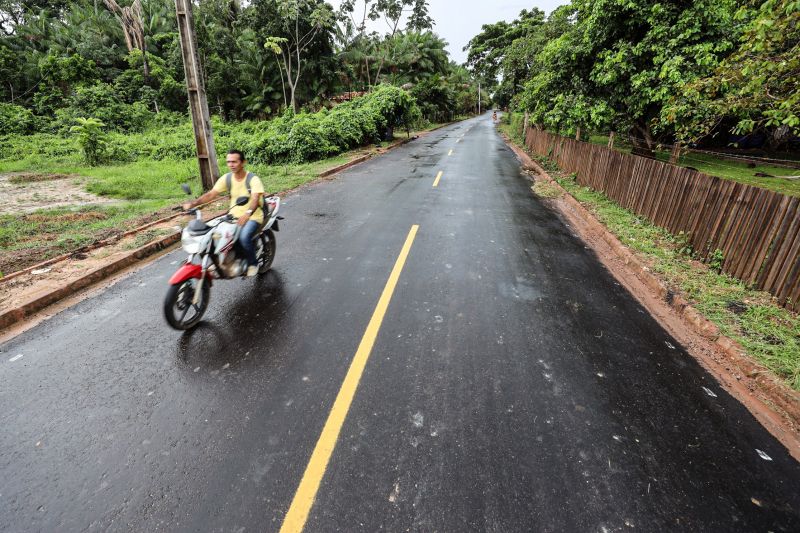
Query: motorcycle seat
point(198, 227)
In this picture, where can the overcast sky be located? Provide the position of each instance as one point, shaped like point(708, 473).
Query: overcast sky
point(458, 21)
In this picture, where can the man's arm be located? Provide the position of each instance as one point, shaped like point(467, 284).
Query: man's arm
point(204, 198)
point(255, 201)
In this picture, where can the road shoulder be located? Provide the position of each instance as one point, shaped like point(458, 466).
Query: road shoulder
point(774, 404)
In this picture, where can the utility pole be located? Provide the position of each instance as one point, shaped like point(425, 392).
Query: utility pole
point(479, 97)
point(201, 121)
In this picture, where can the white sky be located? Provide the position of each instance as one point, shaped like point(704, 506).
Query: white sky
point(458, 21)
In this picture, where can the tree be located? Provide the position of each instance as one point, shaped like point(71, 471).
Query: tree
point(618, 64)
point(299, 23)
point(417, 55)
point(756, 86)
point(392, 12)
point(498, 52)
point(132, 27)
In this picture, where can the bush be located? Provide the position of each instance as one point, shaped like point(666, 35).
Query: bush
point(38, 147)
point(102, 102)
point(307, 137)
point(288, 138)
point(92, 140)
point(17, 120)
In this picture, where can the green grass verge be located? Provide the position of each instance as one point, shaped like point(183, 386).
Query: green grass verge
point(146, 190)
point(769, 333)
point(727, 169)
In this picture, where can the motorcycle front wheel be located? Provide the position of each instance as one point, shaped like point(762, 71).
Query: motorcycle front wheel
point(179, 310)
point(267, 251)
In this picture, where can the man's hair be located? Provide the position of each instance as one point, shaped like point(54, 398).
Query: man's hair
point(237, 152)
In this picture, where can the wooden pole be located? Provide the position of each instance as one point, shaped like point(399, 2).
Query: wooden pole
point(525, 126)
point(201, 120)
point(675, 154)
point(611, 141)
point(578, 134)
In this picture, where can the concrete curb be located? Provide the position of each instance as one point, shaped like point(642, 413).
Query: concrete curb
point(26, 309)
point(30, 307)
point(780, 394)
point(87, 248)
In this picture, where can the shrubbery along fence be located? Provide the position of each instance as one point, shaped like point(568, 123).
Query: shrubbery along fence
point(757, 231)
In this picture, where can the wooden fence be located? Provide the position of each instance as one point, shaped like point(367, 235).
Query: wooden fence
point(757, 231)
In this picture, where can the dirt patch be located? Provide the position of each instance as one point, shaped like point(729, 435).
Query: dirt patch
point(84, 216)
point(42, 247)
point(32, 194)
point(30, 177)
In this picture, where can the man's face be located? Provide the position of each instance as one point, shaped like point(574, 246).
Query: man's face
point(234, 162)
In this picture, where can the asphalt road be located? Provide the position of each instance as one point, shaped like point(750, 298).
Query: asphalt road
point(512, 386)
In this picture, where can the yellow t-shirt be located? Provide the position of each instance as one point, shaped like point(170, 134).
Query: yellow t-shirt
point(239, 188)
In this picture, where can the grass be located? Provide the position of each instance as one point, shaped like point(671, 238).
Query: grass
point(725, 168)
point(146, 236)
point(543, 189)
point(147, 190)
point(62, 229)
point(769, 333)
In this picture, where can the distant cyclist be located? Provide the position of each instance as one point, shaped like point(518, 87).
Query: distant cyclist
point(494, 116)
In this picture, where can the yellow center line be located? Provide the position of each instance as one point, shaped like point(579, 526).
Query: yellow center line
point(438, 177)
point(307, 491)
point(450, 152)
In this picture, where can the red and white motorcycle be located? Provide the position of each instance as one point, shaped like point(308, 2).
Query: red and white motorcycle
point(213, 255)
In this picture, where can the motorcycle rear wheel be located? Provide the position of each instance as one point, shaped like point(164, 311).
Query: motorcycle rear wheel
point(267, 252)
point(179, 310)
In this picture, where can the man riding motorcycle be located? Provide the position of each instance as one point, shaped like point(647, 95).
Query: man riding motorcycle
point(238, 182)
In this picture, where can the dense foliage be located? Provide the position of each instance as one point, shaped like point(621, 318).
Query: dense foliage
point(60, 61)
point(290, 138)
point(703, 71)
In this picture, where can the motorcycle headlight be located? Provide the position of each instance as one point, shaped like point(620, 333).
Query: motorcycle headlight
point(191, 245)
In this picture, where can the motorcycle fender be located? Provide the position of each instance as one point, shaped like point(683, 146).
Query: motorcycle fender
point(187, 271)
point(275, 226)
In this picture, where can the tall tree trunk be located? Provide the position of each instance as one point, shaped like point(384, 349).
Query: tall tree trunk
point(131, 20)
point(283, 84)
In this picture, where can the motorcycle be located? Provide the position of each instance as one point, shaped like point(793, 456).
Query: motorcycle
point(214, 255)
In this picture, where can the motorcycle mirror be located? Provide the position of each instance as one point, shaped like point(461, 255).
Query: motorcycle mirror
point(242, 200)
point(186, 189)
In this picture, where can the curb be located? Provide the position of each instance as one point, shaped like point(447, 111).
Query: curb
point(779, 393)
point(83, 249)
point(11, 316)
point(26, 309)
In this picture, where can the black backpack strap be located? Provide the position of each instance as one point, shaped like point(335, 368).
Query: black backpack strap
point(247, 181)
point(228, 181)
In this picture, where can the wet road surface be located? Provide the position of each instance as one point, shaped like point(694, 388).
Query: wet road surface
point(513, 384)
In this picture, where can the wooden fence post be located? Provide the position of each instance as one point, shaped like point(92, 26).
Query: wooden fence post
point(578, 134)
point(676, 153)
point(525, 126)
point(611, 141)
